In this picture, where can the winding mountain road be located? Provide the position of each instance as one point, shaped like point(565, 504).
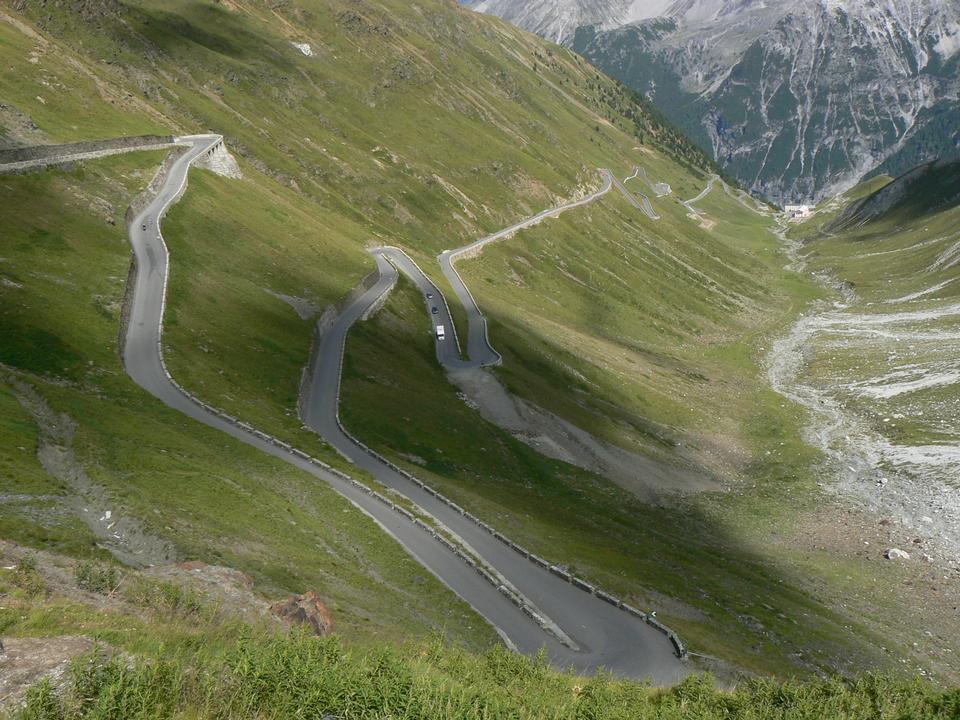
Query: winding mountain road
point(531, 605)
point(643, 204)
point(689, 204)
point(658, 189)
point(582, 629)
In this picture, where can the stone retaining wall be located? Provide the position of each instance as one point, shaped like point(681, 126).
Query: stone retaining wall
point(51, 154)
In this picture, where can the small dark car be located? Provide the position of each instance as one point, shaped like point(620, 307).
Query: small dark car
point(434, 310)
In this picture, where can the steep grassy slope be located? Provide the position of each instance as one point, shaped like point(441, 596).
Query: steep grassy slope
point(338, 151)
point(737, 570)
point(425, 126)
point(404, 126)
point(718, 585)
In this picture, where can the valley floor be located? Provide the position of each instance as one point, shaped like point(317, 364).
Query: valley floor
point(877, 369)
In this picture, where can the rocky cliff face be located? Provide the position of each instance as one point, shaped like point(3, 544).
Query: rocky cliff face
point(556, 21)
point(799, 98)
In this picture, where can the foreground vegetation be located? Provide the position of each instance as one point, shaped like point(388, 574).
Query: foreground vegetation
point(301, 676)
point(166, 651)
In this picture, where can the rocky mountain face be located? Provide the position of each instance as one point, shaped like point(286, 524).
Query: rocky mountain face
point(798, 98)
point(559, 20)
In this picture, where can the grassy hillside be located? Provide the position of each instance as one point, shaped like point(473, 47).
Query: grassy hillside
point(64, 269)
point(195, 660)
point(903, 269)
point(424, 126)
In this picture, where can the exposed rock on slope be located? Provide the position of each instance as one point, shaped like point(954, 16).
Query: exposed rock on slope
point(118, 532)
point(306, 609)
point(26, 661)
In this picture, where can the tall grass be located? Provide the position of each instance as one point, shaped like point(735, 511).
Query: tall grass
point(301, 676)
point(97, 577)
point(168, 599)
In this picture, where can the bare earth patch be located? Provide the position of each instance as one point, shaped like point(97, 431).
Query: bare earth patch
point(559, 439)
point(27, 661)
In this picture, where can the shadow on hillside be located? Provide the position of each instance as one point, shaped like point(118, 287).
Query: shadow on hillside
point(927, 189)
point(209, 27)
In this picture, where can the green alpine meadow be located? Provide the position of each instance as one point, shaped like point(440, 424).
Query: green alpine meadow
point(382, 359)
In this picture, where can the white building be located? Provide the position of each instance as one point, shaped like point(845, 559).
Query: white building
point(798, 212)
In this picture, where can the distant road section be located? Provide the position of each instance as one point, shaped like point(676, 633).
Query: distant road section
point(480, 352)
point(643, 204)
point(689, 204)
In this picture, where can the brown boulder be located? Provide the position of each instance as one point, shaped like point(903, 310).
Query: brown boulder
point(306, 609)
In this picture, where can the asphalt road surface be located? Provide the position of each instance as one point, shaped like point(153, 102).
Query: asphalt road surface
point(643, 204)
point(589, 633)
point(689, 204)
point(598, 634)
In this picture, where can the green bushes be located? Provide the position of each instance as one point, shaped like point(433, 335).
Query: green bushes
point(301, 676)
point(103, 688)
point(42, 703)
point(27, 578)
point(168, 599)
point(97, 578)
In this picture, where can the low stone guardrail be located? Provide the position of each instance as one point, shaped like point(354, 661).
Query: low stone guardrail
point(678, 645)
point(24, 158)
